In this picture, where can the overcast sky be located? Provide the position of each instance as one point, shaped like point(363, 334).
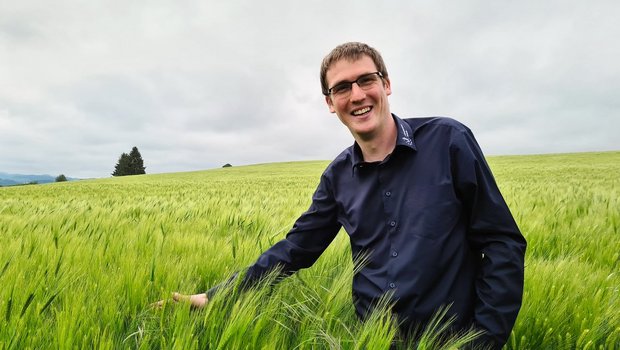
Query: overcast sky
point(197, 84)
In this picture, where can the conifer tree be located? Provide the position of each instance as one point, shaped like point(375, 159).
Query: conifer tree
point(122, 167)
point(136, 163)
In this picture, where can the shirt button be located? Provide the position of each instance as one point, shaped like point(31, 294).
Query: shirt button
point(392, 223)
point(392, 285)
point(394, 254)
point(388, 193)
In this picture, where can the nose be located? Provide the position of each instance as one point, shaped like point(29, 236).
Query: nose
point(357, 94)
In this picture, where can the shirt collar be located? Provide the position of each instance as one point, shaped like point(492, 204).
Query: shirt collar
point(405, 134)
point(404, 138)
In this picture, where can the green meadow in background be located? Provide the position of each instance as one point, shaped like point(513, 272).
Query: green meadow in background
point(80, 262)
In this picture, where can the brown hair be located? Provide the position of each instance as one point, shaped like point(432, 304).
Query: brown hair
point(350, 51)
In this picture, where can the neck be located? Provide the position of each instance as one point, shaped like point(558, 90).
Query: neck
point(376, 147)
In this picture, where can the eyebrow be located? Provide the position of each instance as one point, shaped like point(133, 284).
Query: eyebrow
point(351, 81)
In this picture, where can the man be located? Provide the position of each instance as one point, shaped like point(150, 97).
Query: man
point(417, 197)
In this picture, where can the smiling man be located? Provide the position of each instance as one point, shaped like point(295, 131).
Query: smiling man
point(416, 197)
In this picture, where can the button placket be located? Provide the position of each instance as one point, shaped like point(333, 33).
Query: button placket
point(391, 222)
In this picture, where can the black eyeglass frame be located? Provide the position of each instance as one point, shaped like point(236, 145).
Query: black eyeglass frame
point(349, 84)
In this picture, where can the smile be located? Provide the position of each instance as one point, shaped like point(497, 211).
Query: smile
point(361, 111)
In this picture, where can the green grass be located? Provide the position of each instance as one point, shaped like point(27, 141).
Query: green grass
point(81, 261)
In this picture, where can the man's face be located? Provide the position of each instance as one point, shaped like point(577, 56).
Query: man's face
point(365, 111)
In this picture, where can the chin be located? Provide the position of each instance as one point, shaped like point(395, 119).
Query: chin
point(363, 133)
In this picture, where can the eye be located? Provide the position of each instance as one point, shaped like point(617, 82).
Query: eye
point(366, 80)
point(340, 88)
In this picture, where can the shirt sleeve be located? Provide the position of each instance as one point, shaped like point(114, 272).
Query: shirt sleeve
point(311, 234)
point(493, 233)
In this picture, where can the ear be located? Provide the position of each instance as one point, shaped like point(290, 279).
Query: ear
point(330, 104)
point(387, 85)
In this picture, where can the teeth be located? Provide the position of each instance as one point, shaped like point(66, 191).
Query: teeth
point(361, 111)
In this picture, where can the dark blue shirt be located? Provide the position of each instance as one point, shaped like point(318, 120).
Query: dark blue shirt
point(432, 222)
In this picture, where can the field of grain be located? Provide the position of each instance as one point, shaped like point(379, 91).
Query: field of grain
point(81, 261)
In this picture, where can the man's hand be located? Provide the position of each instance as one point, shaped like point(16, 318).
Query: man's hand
point(197, 301)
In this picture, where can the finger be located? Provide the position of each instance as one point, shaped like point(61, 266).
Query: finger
point(180, 297)
point(175, 297)
point(158, 304)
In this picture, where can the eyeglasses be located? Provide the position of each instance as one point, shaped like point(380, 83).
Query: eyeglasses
point(365, 82)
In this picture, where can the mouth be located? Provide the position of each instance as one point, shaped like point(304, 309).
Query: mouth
point(361, 111)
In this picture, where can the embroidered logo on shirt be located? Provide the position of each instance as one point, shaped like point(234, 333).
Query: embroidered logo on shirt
point(406, 137)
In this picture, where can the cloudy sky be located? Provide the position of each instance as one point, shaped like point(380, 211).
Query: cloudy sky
point(197, 84)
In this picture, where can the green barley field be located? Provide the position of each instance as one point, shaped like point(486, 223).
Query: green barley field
point(80, 262)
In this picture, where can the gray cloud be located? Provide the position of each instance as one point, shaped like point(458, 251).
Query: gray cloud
point(197, 84)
